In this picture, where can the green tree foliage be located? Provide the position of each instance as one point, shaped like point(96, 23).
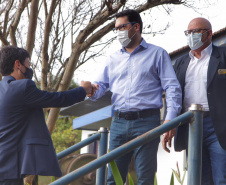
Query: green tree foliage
point(63, 135)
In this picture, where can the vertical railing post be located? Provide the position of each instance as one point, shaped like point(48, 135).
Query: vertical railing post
point(102, 149)
point(195, 145)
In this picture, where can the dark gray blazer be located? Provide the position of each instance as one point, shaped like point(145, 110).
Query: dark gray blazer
point(25, 142)
point(216, 94)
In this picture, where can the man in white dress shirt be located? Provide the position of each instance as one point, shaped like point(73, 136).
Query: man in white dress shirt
point(198, 75)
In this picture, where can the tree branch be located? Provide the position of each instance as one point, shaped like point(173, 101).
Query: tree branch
point(3, 39)
point(8, 7)
point(16, 21)
point(98, 35)
point(96, 22)
point(32, 26)
point(152, 3)
point(45, 56)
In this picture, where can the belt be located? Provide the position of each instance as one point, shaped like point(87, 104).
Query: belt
point(206, 114)
point(131, 115)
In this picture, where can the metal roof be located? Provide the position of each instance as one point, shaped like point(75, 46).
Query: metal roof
point(91, 115)
point(94, 120)
point(87, 106)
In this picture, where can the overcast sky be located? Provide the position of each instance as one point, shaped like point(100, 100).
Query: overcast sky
point(171, 40)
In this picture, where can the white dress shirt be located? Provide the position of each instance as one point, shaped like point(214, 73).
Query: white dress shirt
point(195, 90)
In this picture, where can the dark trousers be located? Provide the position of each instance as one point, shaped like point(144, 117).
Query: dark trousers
point(12, 182)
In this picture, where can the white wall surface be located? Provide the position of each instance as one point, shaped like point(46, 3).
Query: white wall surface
point(167, 162)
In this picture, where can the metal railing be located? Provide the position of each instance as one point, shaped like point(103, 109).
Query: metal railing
point(194, 116)
point(102, 136)
point(79, 146)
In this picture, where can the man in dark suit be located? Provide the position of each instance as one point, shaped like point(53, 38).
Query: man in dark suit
point(25, 142)
point(198, 75)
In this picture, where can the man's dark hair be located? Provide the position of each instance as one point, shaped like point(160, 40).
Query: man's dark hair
point(133, 16)
point(8, 56)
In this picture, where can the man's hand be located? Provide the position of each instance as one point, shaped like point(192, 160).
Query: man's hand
point(167, 137)
point(87, 86)
point(94, 88)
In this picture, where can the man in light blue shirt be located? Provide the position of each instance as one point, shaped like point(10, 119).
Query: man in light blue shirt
point(137, 75)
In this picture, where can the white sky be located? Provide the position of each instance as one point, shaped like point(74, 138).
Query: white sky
point(171, 40)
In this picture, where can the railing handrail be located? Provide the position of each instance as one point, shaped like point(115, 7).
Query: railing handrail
point(141, 140)
point(78, 146)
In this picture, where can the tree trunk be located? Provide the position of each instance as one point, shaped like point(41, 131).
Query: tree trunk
point(32, 26)
point(52, 118)
point(45, 55)
point(64, 85)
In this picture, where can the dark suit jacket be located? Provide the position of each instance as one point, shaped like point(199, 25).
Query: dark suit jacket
point(216, 95)
point(25, 142)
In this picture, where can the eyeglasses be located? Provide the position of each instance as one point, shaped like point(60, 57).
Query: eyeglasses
point(188, 32)
point(122, 27)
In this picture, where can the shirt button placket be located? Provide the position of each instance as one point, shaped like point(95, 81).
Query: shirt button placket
point(128, 84)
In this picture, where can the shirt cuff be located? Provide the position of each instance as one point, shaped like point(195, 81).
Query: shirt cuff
point(94, 97)
point(171, 115)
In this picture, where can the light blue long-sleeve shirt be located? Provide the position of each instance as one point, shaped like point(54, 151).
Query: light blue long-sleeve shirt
point(138, 79)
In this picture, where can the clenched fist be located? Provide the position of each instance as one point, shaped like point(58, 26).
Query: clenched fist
point(88, 87)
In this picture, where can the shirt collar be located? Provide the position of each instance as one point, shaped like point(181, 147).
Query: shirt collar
point(143, 44)
point(8, 78)
point(206, 51)
point(209, 49)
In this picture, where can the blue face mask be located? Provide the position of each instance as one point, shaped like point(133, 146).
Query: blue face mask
point(194, 40)
point(28, 73)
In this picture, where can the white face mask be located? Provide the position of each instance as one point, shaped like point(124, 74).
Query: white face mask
point(123, 37)
point(194, 40)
